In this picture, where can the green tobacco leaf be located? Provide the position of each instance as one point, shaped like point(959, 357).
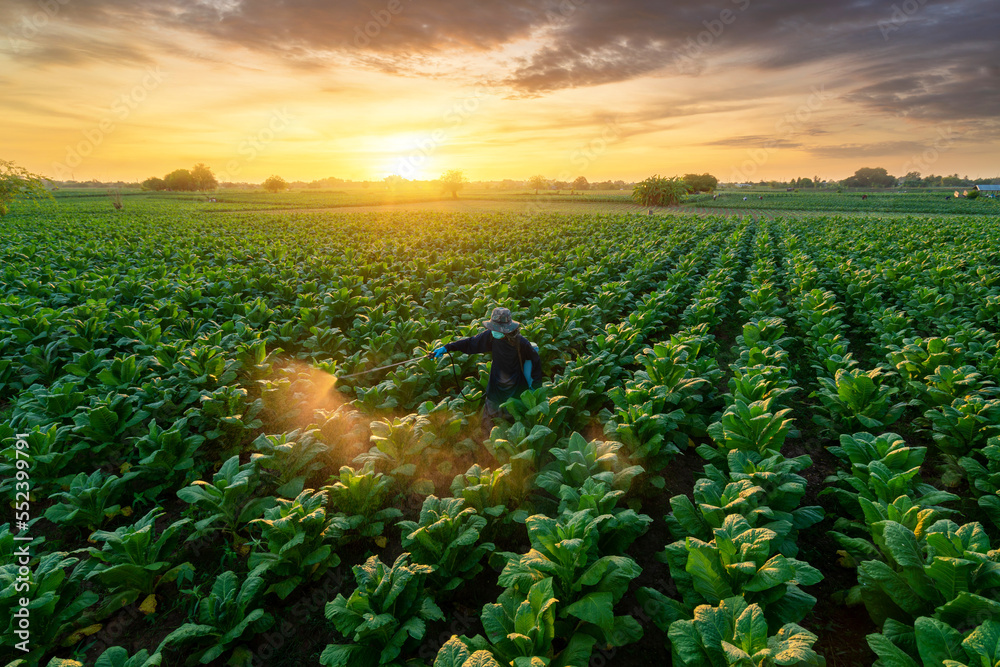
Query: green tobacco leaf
point(902, 545)
point(453, 654)
point(186, 633)
point(966, 607)
point(734, 654)
point(479, 659)
point(708, 578)
point(338, 655)
point(876, 576)
point(792, 607)
point(686, 643)
point(950, 576)
point(577, 651)
point(594, 608)
point(985, 642)
point(937, 641)
point(889, 654)
point(774, 572)
point(793, 646)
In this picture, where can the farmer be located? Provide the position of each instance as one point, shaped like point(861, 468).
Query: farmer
point(516, 364)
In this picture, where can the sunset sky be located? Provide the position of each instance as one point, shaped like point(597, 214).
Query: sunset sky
point(744, 89)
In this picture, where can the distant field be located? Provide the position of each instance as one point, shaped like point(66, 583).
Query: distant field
point(513, 201)
point(352, 196)
point(890, 202)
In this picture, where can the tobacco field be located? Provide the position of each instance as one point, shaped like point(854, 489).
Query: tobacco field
point(762, 439)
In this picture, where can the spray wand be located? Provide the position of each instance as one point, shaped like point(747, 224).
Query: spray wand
point(400, 363)
point(381, 368)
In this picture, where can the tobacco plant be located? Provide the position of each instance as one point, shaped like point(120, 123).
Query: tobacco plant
point(296, 544)
point(229, 499)
point(386, 614)
point(134, 562)
point(446, 536)
point(228, 615)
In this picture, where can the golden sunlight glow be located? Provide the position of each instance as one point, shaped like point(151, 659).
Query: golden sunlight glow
point(406, 154)
point(102, 101)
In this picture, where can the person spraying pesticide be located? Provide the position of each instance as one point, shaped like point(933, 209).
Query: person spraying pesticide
point(516, 365)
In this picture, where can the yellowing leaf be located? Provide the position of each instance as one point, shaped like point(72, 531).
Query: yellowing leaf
point(81, 633)
point(125, 468)
point(148, 605)
point(381, 541)
point(126, 511)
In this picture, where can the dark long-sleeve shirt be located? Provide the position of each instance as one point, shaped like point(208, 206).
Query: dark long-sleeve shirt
point(506, 373)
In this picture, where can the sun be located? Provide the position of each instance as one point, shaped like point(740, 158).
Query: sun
point(407, 154)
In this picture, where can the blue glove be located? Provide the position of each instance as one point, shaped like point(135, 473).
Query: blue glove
point(438, 353)
point(527, 372)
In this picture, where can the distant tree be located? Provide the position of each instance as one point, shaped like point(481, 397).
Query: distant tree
point(274, 184)
point(581, 183)
point(561, 185)
point(659, 191)
point(912, 180)
point(393, 181)
point(203, 177)
point(179, 180)
point(452, 181)
point(19, 183)
point(537, 183)
point(700, 182)
point(870, 177)
point(155, 184)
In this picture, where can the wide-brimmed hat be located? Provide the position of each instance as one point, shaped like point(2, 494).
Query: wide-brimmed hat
point(500, 320)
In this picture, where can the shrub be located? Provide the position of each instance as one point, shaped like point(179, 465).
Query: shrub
point(659, 191)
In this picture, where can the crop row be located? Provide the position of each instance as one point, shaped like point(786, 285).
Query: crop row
point(178, 387)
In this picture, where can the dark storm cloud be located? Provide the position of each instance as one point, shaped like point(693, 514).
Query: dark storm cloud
point(934, 59)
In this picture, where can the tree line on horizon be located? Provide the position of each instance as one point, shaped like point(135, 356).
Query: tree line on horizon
point(197, 179)
point(201, 178)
